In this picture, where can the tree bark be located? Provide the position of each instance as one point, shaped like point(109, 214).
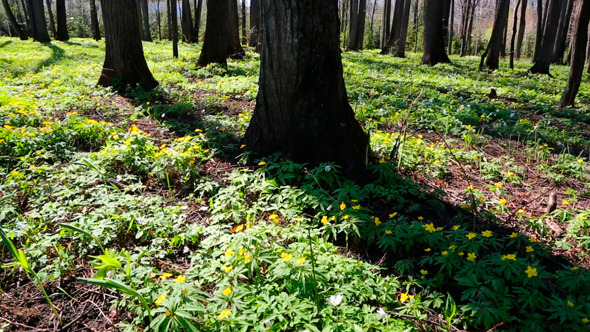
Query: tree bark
point(435, 15)
point(545, 55)
point(450, 39)
point(578, 57)
point(396, 43)
point(51, 19)
point(221, 33)
point(174, 27)
point(62, 20)
point(254, 23)
point(198, 10)
point(386, 22)
point(521, 28)
point(38, 24)
point(186, 22)
point(244, 34)
point(124, 63)
point(145, 18)
point(358, 11)
point(514, 31)
point(540, 30)
point(302, 108)
point(12, 19)
point(94, 21)
point(561, 40)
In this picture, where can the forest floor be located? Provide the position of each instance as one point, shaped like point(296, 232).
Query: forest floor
point(477, 217)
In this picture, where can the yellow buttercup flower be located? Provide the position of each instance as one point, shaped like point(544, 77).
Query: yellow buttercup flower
point(161, 299)
point(179, 279)
point(503, 201)
point(168, 313)
point(429, 228)
point(456, 227)
point(377, 221)
point(324, 220)
point(274, 218)
point(388, 232)
point(511, 257)
point(286, 256)
point(529, 249)
point(444, 253)
point(471, 235)
point(227, 291)
point(486, 233)
point(424, 272)
point(165, 276)
point(224, 314)
point(301, 260)
point(342, 206)
point(229, 253)
point(228, 268)
point(247, 258)
point(498, 185)
point(513, 235)
point(531, 272)
point(570, 303)
point(262, 163)
point(471, 256)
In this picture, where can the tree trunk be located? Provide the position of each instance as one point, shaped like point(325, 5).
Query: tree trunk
point(94, 21)
point(399, 30)
point(540, 30)
point(514, 30)
point(403, 37)
point(386, 22)
point(124, 63)
point(521, 28)
point(62, 20)
point(13, 23)
point(244, 34)
point(545, 55)
point(578, 57)
point(145, 19)
point(174, 26)
point(354, 13)
point(186, 21)
point(198, 10)
point(254, 23)
point(362, 16)
point(561, 40)
point(435, 15)
point(302, 108)
point(221, 33)
point(51, 19)
point(38, 24)
point(416, 23)
point(450, 39)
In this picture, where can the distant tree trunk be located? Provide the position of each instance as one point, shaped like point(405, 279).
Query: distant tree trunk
point(221, 33)
point(514, 30)
point(450, 41)
point(174, 27)
point(254, 23)
point(545, 55)
point(26, 9)
point(51, 19)
point(244, 34)
point(470, 26)
point(198, 10)
point(62, 21)
point(38, 24)
point(124, 64)
point(13, 23)
point(358, 10)
point(396, 43)
point(186, 22)
point(416, 24)
point(94, 21)
point(521, 28)
point(564, 24)
point(386, 22)
point(493, 50)
point(540, 30)
point(435, 15)
point(159, 19)
point(302, 109)
point(467, 14)
point(578, 57)
point(145, 18)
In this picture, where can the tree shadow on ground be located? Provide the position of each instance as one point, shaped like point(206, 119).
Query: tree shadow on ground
point(57, 54)
point(6, 43)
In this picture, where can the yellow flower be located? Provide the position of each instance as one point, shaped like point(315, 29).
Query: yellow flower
point(388, 232)
point(247, 258)
point(14, 172)
point(585, 320)
point(529, 249)
point(532, 239)
point(486, 233)
point(520, 211)
point(301, 260)
point(226, 291)
point(224, 314)
point(570, 303)
point(420, 218)
point(179, 279)
point(356, 207)
point(511, 257)
point(498, 185)
point(403, 297)
point(262, 163)
point(564, 202)
point(471, 235)
point(152, 276)
point(274, 218)
point(242, 146)
point(228, 268)
point(471, 256)
point(461, 253)
point(168, 313)
point(324, 220)
point(377, 221)
point(161, 299)
point(429, 228)
point(391, 215)
point(344, 217)
point(575, 268)
point(165, 276)
point(424, 272)
point(427, 249)
point(241, 251)
point(229, 253)
point(531, 272)
point(513, 235)
point(580, 160)
point(503, 201)
point(469, 187)
point(444, 253)
point(456, 227)
point(342, 206)
point(286, 256)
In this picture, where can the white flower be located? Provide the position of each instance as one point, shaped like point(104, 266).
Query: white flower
point(328, 168)
point(335, 300)
point(381, 313)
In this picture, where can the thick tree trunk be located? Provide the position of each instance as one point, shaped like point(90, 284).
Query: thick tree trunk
point(578, 57)
point(38, 24)
point(352, 31)
point(62, 20)
point(302, 108)
point(564, 25)
point(514, 31)
point(221, 33)
point(174, 27)
point(198, 10)
point(521, 28)
point(254, 23)
point(94, 21)
point(540, 30)
point(124, 63)
point(435, 15)
point(186, 21)
point(145, 19)
point(51, 19)
point(358, 11)
point(396, 43)
point(494, 48)
point(13, 23)
point(362, 17)
point(386, 22)
point(545, 55)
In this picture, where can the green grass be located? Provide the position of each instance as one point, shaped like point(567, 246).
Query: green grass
point(145, 191)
